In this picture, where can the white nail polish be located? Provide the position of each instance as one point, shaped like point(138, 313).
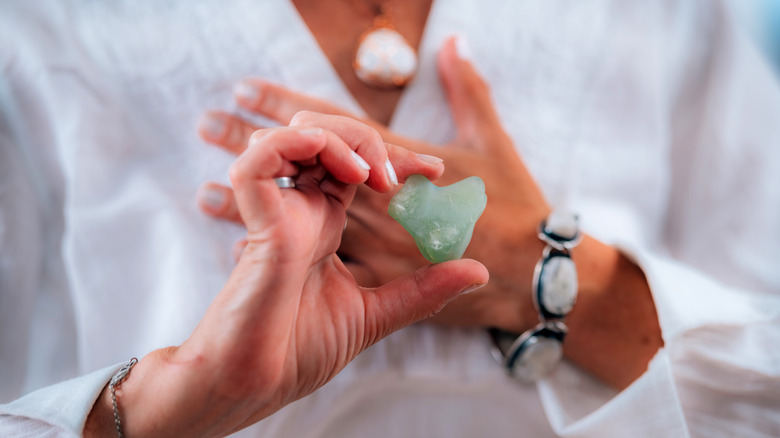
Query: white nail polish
point(391, 173)
point(245, 91)
point(463, 48)
point(472, 288)
point(212, 126)
point(430, 159)
point(360, 161)
point(212, 198)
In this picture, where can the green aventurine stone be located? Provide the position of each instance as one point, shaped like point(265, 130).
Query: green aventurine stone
point(441, 219)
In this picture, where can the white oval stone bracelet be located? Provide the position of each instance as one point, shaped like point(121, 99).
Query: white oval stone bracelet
point(532, 355)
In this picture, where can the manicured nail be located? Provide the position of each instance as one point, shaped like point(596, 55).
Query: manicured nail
point(311, 132)
point(472, 288)
point(430, 159)
point(213, 126)
point(391, 173)
point(246, 91)
point(211, 197)
point(462, 48)
point(360, 161)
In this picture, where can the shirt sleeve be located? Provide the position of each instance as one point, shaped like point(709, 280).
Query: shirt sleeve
point(717, 289)
point(715, 278)
point(59, 410)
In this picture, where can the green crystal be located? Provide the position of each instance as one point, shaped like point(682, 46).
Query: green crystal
point(441, 219)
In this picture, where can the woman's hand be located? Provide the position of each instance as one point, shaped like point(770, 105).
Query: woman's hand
point(375, 247)
point(291, 315)
point(614, 327)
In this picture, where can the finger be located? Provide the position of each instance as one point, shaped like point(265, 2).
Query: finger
point(469, 96)
point(226, 131)
point(395, 162)
point(279, 103)
point(361, 138)
point(238, 249)
point(218, 201)
point(407, 163)
point(269, 155)
point(335, 156)
point(363, 276)
point(419, 295)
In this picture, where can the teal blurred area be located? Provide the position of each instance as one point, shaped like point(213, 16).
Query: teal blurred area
point(761, 20)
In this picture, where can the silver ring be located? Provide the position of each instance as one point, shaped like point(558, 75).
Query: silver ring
point(285, 182)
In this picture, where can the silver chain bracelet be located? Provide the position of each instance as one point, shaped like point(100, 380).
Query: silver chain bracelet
point(115, 381)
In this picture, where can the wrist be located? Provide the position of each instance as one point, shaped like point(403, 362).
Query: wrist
point(150, 401)
point(100, 420)
point(597, 265)
point(534, 353)
point(614, 327)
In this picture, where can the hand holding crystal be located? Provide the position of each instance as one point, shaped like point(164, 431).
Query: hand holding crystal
point(291, 315)
point(615, 313)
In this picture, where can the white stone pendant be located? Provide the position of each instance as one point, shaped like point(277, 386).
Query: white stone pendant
point(384, 59)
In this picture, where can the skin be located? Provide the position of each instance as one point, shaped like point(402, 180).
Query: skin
point(337, 25)
point(291, 315)
point(614, 330)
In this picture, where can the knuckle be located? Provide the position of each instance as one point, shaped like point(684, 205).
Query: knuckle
point(375, 135)
point(237, 173)
point(265, 96)
point(256, 137)
point(395, 151)
point(301, 118)
point(371, 137)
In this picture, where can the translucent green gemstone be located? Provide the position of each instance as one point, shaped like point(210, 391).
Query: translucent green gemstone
point(441, 219)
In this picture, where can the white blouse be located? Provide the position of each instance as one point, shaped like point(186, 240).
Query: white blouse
point(657, 122)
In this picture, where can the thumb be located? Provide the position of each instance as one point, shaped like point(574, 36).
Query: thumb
point(419, 295)
point(468, 95)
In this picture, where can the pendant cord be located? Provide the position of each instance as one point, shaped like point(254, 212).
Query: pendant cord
point(383, 16)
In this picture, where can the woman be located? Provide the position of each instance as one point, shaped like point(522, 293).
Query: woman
point(624, 108)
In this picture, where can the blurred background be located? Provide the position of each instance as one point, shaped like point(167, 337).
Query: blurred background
point(761, 20)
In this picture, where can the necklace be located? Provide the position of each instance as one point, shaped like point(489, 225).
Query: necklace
point(384, 58)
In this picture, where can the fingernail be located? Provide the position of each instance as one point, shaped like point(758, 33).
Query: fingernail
point(430, 159)
point(253, 141)
point(391, 173)
point(245, 91)
point(210, 197)
point(213, 126)
point(472, 288)
point(462, 48)
point(360, 161)
point(311, 132)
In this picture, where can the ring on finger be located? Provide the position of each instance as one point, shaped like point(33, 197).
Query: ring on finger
point(285, 182)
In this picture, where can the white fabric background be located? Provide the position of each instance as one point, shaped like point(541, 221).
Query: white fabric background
point(667, 116)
